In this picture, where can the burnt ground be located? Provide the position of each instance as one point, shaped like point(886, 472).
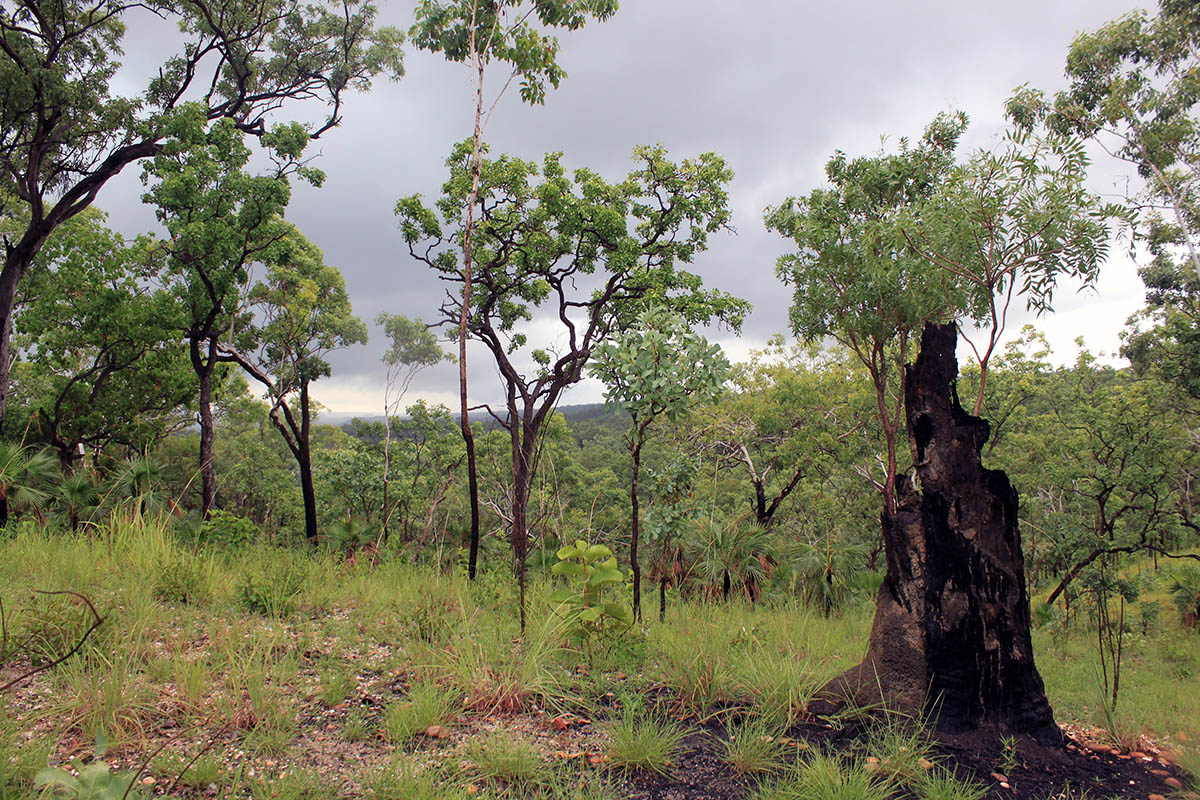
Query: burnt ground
point(1083, 766)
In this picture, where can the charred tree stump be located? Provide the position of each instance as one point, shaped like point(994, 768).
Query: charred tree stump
point(951, 637)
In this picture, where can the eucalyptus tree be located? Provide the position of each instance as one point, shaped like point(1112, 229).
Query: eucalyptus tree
point(1163, 338)
point(66, 130)
point(788, 416)
point(220, 219)
point(656, 367)
point(516, 34)
point(303, 313)
point(855, 278)
point(1119, 453)
point(101, 361)
point(413, 348)
point(1011, 222)
point(578, 251)
point(1133, 90)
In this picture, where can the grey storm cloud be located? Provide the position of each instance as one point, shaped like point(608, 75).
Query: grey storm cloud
point(773, 86)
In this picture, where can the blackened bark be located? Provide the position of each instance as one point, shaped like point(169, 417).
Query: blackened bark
point(522, 474)
point(635, 449)
point(951, 637)
point(304, 460)
point(208, 475)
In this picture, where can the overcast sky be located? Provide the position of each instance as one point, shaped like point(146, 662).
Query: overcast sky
point(774, 86)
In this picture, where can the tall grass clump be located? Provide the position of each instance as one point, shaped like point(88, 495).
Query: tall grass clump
point(755, 747)
point(694, 663)
point(639, 742)
point(427, 705)
point(495, 671)
point(102, 692)
point(514, 763)
point(826, 777)
point(271, 581)
point(403, 780)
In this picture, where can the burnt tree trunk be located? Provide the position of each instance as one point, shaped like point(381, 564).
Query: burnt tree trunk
point(951, 637)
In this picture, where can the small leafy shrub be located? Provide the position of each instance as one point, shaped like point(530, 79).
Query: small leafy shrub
point(638, 742)
point(591, 568)
point(92, 781)
point(181, 577)
point(270, 585)
point(1149, 617)
point(427, 704)
point(227, 529)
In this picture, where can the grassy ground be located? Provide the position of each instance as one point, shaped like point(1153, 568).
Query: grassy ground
point(273, 673)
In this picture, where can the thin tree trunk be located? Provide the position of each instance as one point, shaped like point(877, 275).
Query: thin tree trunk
point(523, 433)
point(304, 459)
point(387, 461)
point(208, 475)
point(636, 451)
point(16, 262)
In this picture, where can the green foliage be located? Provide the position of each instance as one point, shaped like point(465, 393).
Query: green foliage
point(101, 358)
point(25, 475)
point(591, 568)
point(854, 276)
point(92, 781)
point(1132, 87)
point(1012, 222)
point(348, 536)
point(227, 529)
point(658, 366)
point(1163, 339)
point(736, 557)
point(514, 32)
